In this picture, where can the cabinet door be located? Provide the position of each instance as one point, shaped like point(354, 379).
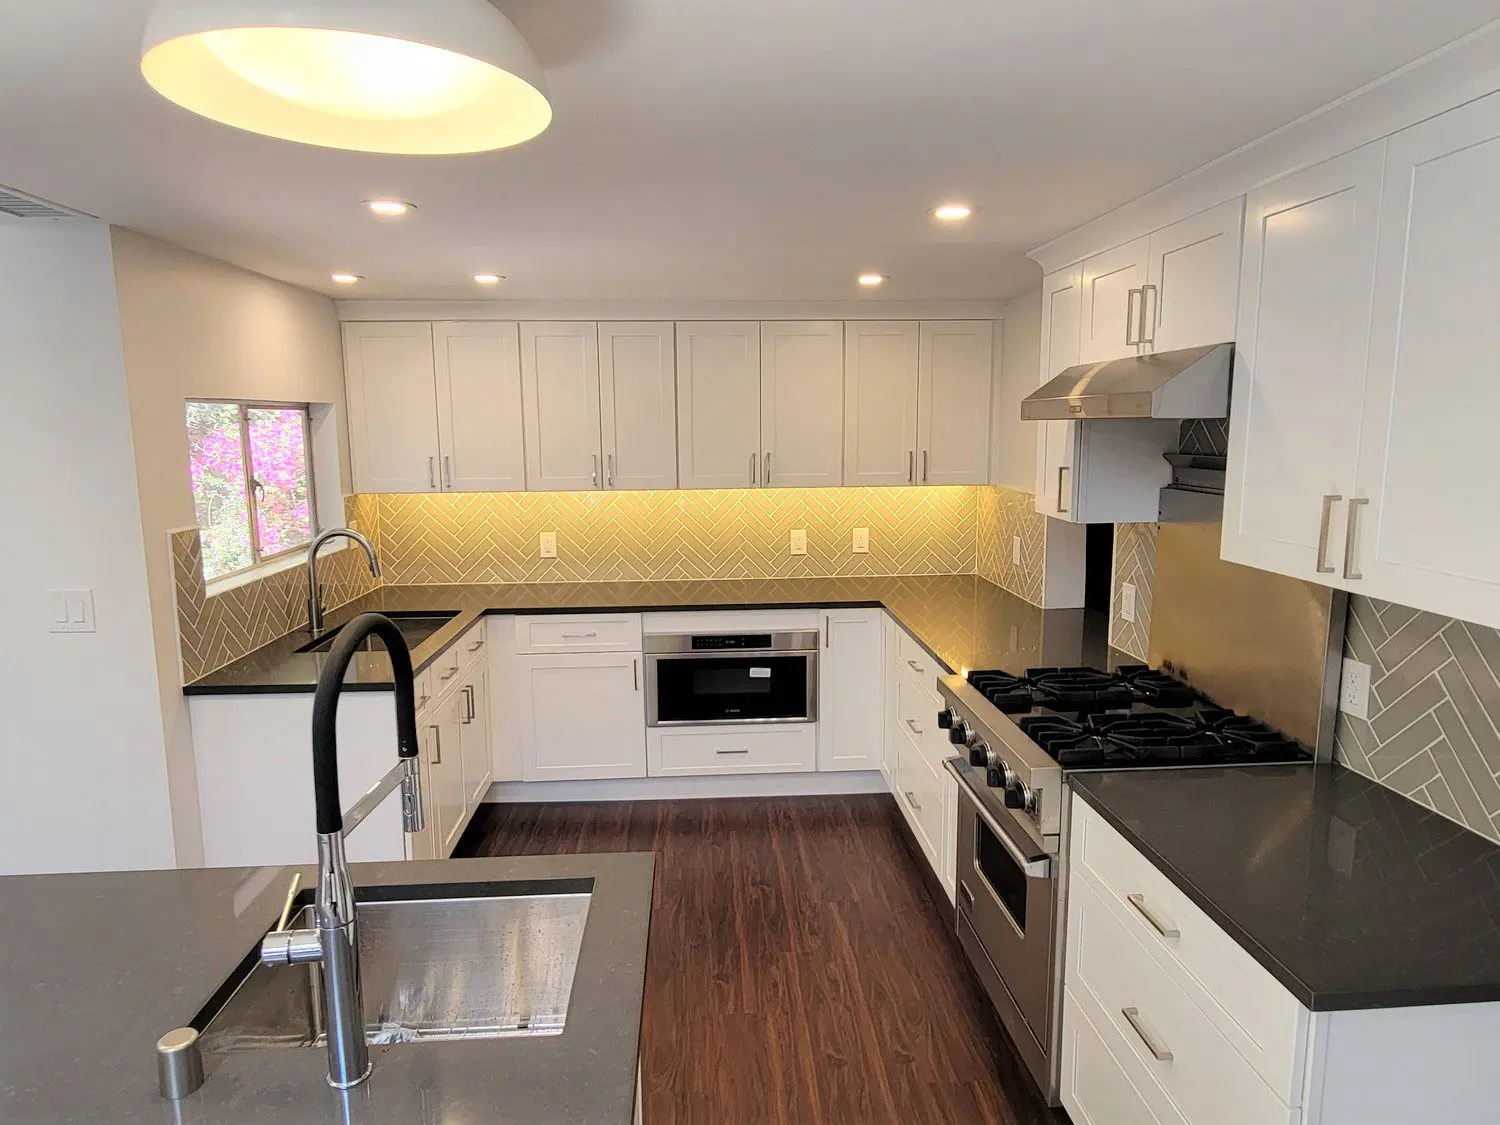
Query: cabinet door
point(583, 715)
point(393, 421)
point(918, 793)
point(802, 403)
point(474, 735)
point(447, 800)
point(638, 404)
point(1110, 302)
point(718, 404)
point(1193, 280)
point(560, 378)
point(1429, 459)
point(479, 406)
point(955, 374)
point(1300, 364)
point(851, 673)
point(1056, 447)
point(880, 402)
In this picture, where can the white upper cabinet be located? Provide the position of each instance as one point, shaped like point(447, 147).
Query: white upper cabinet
point(478, 368)
point(718, 404)
point(393, 418)
point(638, 404)
point(955, 360)
point(1420, 528)
point(560, 378)
point(802, 403)
point(880, 402)
point(1300, 365)
point(1057, 443)
point(1110, 304)
point(1192, 280)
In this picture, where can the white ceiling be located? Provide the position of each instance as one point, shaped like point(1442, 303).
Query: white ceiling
point(718, 149)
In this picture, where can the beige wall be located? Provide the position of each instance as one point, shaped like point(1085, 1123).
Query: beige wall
point(196, 327)
point(1014, 442)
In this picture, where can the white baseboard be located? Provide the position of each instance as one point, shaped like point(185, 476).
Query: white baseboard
point(678, 788)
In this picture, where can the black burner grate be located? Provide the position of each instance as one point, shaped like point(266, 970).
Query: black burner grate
point(1078, 689)
point(1011, 694)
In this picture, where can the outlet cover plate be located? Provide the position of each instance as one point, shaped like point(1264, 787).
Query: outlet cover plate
point(1127, 601)
point(860, 543)
point(1354, 689)
point(799, 542)
point(548, 544)
point(1015, 550)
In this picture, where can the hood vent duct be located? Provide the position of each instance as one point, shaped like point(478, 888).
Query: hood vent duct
point(1191, 383)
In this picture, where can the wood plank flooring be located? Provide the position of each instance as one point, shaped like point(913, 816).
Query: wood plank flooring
point(798, 970)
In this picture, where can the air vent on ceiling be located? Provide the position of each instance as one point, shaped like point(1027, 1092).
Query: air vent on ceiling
point(23, 206)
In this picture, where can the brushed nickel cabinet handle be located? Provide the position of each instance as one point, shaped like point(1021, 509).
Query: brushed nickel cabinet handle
point(827, 631)
point(1329, 500)
point(579, 636)
point(1139, 902)
point(468, 693)
point(911, 466)
point(754, 476)
point(1351, 534)
point(635, 677)
point(924, 465)
point(432, 472)
point(1062, 508)
point(609, 469)
point(1130, 317)
point(963, 889)
point(447, 471)
point(768, 468)
point(911, 725)
point(476, 646)
point(917, 668)
point(727, 752)
point(594, 469)
point(449, 674)
point(437, 745)
point(1153, 1044)
point(913, 802)
point(1148, 315)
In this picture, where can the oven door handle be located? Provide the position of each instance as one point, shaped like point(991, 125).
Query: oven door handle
point(1035, 866)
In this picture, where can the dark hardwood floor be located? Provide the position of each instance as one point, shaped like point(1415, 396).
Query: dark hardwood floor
point(798, 970)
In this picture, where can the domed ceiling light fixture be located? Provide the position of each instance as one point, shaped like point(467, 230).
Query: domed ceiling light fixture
point(408, 77)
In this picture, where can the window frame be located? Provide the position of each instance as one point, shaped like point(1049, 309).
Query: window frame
point(244, 406)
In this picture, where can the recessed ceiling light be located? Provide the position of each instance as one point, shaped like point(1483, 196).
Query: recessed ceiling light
point(487, 278)
point(389, 208)
point(345, 278)
point(870, 280)
point(952, 212)
point(440, 76)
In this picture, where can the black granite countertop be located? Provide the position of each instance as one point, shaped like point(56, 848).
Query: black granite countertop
point(1349, 894)
point(95, 967)
point(964, 621)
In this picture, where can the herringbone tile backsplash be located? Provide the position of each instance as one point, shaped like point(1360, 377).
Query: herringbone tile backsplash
point(1004, 514)
point(1135, 562)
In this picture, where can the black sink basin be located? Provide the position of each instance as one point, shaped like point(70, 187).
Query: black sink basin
point(415, 627)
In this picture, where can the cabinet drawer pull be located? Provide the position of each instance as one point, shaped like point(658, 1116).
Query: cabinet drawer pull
point(911, 725)
point(635, 675)
point(732, 751)
point(468, 693)
point(579, 636)
point(919, 669)
point(1351, 533)
point(1148, 315)
point(437, 745)
point(1329, 500)
point(1171, 933)
point(1153, 1044)
point(449, 674)
point(963, 889)
point(913, 802)
point(476, 646)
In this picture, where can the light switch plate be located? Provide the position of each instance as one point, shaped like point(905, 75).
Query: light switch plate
point(548, 545)
point(73, 611)
point(1354, 689)
point(1015, 550)
point(861, 541)
point(1127, 601)
point(799, 542)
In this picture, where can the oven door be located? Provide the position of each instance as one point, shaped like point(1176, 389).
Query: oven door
point(701, 689)
point(1008, 894)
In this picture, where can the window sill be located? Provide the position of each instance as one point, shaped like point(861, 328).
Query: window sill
point(264, 570)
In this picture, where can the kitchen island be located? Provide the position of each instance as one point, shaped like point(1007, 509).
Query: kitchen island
point(95, 967)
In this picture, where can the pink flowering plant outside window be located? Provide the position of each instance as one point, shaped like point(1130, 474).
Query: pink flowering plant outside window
point(252, 482)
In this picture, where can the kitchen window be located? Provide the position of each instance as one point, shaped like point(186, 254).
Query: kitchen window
point(251, 468)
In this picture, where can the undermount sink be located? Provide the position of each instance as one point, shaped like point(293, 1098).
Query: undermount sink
point(415, 627)
point(485, 963)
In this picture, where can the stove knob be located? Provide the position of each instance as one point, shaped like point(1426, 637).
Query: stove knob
point(958, 732)
point(946, 717)
point(1019, 796)
point(979, 755)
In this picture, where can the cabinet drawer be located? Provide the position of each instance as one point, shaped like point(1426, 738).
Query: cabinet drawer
point(919, 792)
point(1100, 1084)
point(422, 683)
point(444, 670)
point(472, 645)
point(1248, 1006)
point(1205, 1076)
point(916, 661)
point(916, 709)
point(792, 749)
point(616, 632)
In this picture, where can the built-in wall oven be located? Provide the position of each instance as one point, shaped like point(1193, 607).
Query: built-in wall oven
point(706, 679)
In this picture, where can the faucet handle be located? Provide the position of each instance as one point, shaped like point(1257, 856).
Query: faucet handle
point(291, 947)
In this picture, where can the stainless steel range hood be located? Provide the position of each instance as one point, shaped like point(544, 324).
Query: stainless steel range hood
point(1192, 383)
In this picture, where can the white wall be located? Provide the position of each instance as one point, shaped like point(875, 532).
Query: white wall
point(194, 327)
point(80, 729)
point(1014, 441)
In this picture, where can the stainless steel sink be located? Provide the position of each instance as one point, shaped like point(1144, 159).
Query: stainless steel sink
point(473, 966)
point(415, 628)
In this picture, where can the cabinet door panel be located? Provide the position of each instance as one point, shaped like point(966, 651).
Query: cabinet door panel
point(1195, 271)
point(880, 402)
point(448, 801)
point(1430, 460)
point(1056, 450)
point(1107, 303)
point(583, 715)
point(638, 404)
point(956, 372)
point(393, 421)
point(480, 426)
point(851, 674)
point(718, 404)
point(474, 736)
point(802, 403)
point(560, 369)
point(1305, 284)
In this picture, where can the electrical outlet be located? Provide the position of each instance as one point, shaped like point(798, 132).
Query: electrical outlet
point(548, 544)
point(1354, 689)
point(861, 542)
point(799, 542)
point(1127, 601)
point(1015, 550)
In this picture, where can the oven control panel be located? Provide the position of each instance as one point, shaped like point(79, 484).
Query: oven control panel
point(715, 641)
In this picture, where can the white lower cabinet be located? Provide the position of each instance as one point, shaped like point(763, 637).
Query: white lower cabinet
point(582, 715)
point(850, 700)
point(684, 751)
point(1097, 1086)
point(914, 751)
point(474, 737)
point(447, 801)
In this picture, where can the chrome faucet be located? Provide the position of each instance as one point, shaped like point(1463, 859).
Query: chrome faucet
point(314, 596)
point(334, 942)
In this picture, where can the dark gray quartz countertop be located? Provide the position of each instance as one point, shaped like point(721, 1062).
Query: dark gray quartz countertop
point(1349, 894)
point(94, 967)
